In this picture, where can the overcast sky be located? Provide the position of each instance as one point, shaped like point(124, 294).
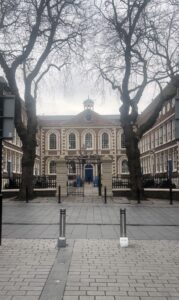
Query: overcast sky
point(59, 96)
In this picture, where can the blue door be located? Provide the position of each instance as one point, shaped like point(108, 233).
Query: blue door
point(89, 173)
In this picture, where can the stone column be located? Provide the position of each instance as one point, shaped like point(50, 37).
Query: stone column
point(61, 170)
point(107, 174)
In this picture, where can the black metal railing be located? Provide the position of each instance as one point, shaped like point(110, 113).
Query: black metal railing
point(120, 183)
point(157, 181)
point(160, 181)
point(38, 182)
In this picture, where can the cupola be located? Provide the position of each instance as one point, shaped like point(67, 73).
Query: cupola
point(88, 104)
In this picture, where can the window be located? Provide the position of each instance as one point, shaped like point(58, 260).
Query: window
point(169, 131)
point(105, 141)
point(123, 141)
point(125, 166)
point(173, 129)
point(157, 164)
point(72, 141)
point(160, 135)
point(173, 102)
point(165, 161)
point(164, 133)
point(18, 164)
point(152, 141)
point(175, 159)
point(156, 138)
point(52, 167)
point(168, 106)
point(52, 141)
point(72, 167)
point(88, 141)
point(163, 110)
point(147, 143)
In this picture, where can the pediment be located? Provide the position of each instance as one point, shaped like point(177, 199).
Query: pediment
point(88, 118)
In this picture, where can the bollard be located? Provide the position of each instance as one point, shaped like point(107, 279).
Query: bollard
point(123, 232)
point(59, 194)
point(171, 195)
point(105, 195)
point(62, 238)
point(26, 195)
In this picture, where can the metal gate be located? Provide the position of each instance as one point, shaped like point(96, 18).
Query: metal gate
point(81, 170)
point(75, 183)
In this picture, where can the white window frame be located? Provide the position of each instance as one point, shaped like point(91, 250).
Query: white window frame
point(49, 169)
point(75, 141)
point(125, 172)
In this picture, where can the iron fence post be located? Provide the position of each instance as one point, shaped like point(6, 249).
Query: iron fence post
point(170, 192)
point(105, 195)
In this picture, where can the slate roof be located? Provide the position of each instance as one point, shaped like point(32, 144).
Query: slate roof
point(86, 118)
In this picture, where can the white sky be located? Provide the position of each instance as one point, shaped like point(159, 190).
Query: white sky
point(65, 96)
point(59, 96)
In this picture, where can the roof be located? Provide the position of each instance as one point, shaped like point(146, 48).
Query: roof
point(168, 93)
point(86, 118)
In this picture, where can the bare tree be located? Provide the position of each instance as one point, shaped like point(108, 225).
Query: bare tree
point(121, 58)
point(163, 45)
point(127, 56)
point(35, 35)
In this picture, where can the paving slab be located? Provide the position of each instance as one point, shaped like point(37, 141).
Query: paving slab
point(101, 270)
point(25, 267)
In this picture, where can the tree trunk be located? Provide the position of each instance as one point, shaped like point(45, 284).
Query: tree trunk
point(28, 159)
point(133, 155)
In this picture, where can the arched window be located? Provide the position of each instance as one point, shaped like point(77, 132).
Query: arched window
point(123, 141)
point(105, 141)
point(72, 141)
point(52, 167)
point(88, 141)
point(125, 166)
point(72, 167)
point(52, 141)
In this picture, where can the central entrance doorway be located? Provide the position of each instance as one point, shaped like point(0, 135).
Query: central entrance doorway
point(89, 173)
point(81, 170)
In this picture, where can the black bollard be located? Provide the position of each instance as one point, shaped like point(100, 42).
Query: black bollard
point(105, 195)
point(123, 222)
point(59, 194)
point(171, 195)
point(62, 229)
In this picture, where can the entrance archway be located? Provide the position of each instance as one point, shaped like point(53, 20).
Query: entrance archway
point(89, 173)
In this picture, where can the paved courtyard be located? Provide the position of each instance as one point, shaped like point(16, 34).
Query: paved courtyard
point(91, 219)
point(92, 266)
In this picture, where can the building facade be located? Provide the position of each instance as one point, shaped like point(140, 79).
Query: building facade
point(159, 147)
point(89, 133)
